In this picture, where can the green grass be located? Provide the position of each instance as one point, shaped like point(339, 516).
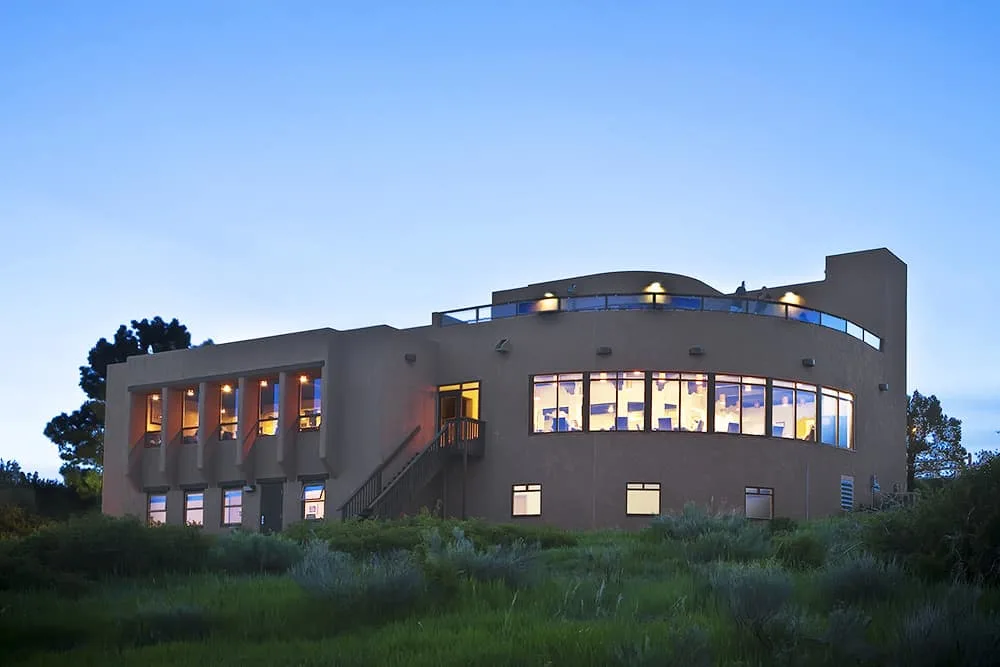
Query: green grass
point(600, 598)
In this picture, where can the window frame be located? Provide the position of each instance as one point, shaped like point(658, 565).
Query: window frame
point(273, 385)
point(642, 488)
point(226, 506)
point(526, 489)
point(795, 387)
point(321, 500)
point(556, 380)
point(616, 377)
point(758, 492)
point(234, 391)
point(149, 508)
point(189, 434)
point(313, 421)
point(188, 508)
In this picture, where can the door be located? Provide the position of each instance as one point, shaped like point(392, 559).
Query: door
point(271, 499)
point(457, 400)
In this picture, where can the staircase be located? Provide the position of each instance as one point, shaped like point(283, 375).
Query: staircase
point(378, 499)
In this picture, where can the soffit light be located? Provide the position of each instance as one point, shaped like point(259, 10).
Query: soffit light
point(654, 288)
point(226, 389)
point(792, 298)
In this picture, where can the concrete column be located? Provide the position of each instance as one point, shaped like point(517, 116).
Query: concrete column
point(247, 434)
point(203, 427)
point(287, 386)
point(166, 411)
point(213, 509)
point(326, 427)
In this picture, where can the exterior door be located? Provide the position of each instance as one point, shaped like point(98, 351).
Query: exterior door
point(271, 499)
point(454, 401)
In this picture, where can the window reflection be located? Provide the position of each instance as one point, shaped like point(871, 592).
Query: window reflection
point(617, 401)
point(232, 506)
point(314, 501)
point(189, 416)
point(194, 508)
point(759, 502)
point(228, 411)
point(828, 410)
point(310, 400)
point(558, 403)
point(679, 401)
point(267, 417)
point(154, 421)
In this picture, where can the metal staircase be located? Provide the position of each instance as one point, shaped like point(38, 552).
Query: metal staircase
point(378, 499)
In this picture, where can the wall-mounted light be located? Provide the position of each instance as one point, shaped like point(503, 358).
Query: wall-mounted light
point(654, 288)
point(502, 346)
point(548, 303)
point(603, 351)
point(791, 298)
point(263, 383)
point(883, 386)
point(808, 362)
point(410, 357)
point(155, 397)
point(696, 350)
point(303, 379)
point(190, 392)
point(226, 389)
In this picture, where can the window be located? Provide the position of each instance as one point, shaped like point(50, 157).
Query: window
point(154, 420)
point(740, 404)
point(793, 411)
point(846, 493)
point(157, 508)
point(229, 411)
point(837, 416)
point(314, 500)
point(679, 402)
point(189, 416)
point(642, 498)
point(618, 401)
point(194, 508)
point(267, 416)
point(527, 500)
point(232, 507)
point(759, 502)
point(558, 403)
point(310, 395)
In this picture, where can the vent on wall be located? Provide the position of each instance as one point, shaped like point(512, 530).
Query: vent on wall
point(502, 346)
point(410, 357)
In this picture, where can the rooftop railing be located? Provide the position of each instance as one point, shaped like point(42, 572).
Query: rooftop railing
point(661, 302)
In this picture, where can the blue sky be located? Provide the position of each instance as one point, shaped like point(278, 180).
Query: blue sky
point(355, 163)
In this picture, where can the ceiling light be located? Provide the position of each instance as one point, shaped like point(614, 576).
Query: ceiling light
point(226, 389)
point(303, 379)
point(263, 383)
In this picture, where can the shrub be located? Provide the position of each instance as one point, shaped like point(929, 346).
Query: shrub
point(800, 551)
point(693, 522)
point(846, 637)
point(857, 580)
point(689, 647)
point(749, 543)
point(156, 625)
point(510, 564)
point(951, 532)
point(948, 632)
point(18, 572)
point(250, 553)
point(782, 524)
point(97, 546)
point(15, 521)
point(390, 581)
point(757, 598)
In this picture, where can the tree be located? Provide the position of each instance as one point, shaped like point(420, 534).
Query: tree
point(933, 440)
point(80, 434)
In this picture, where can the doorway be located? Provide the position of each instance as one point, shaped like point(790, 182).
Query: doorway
point(455, 401)
point(271, 500)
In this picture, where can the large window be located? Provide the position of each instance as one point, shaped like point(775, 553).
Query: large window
point(314, 500)
point(618, 401)
point(793, 411)
point(642, 498)
point(229, 411)
point(194, 508)
point(232, 507)
point(679, 402)
point(154, 420)
point(156, 508)
point(526, 500)
point(267, 416)
point(759, 502)
point(310, 395)
point(558, 402)
point(740, 404)
point(837, 412)
point(189, 416)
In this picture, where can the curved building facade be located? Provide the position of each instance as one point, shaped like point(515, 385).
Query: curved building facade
point(586, 402)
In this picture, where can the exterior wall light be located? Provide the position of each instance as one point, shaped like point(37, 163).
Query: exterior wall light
point(696, 351)
point(791, 298)
point(883, 386)
point(410, 357)
point(604, 351)
point(808, 362)
point(502, 346)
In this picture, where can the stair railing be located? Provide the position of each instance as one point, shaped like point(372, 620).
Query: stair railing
point(365, 494)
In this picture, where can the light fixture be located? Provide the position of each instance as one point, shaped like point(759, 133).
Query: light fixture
point(190, 392)
point(263, 383)
point(603, 351)
point(410, 357)
point(303, 379)
point(808, 362)
point(502, 346)
point(883, 386)
point(155, 397)
point(654, 288)
point(696, 350)
point(791, 298)
point(548, 295)
point(226, 389)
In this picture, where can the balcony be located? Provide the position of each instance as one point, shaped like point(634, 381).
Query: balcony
point(659, 302)
point(461, 435)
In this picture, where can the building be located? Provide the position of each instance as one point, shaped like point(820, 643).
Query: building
point(585, 402)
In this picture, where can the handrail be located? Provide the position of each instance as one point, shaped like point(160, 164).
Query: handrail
point(419, 460)
point(659, 301)
point(372, 486)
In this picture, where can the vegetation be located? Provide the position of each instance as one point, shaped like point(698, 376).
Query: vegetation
point(694, 588)
point(933, 441)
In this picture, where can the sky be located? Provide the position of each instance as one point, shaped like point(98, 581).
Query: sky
point(255, 168)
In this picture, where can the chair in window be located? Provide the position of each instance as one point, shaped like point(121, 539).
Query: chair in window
point(734, 427)
point(562, 424)
point(621, 423)
point(665, 424)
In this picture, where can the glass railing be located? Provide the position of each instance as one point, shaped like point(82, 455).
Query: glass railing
point(666, 302)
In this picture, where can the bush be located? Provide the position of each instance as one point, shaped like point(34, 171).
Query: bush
point(15, 521)
point(782, 524)
point(800, 551)
point(98, 546)
point(858, 580)
point(689, 647)
point(948, 632)
point(157, 625)
point(18, 572)
point(749, 543)
point(372, 584)
point(512, 564)
point(757, 598)
point(693, 522)
point(251, 553)
point(951, 532)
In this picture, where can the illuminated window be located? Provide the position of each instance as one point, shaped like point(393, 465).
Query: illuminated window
point(759, 502)
point(793, 411)
point(194, 508)
point(642, 498)
point(189, 416)
point(154, 420)
point(527, 500)
point(679, 401)
point(314, 500)
point(558, 403)
point(837, 417)
point(156, 508)
point(232, 507)
point(267, 416)
point(310, 395)
point(229, 411)
point(740, 404)
point(617, 401)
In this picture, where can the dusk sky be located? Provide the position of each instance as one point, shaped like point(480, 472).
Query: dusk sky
point(255, 168)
